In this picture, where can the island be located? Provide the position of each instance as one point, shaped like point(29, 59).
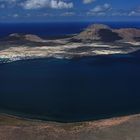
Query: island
point(97, 39)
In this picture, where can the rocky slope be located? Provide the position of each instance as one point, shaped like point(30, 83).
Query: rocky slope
point(28, 37)
point(121, 128)
point(97, 39)
point(100, 32)
point(129, 34)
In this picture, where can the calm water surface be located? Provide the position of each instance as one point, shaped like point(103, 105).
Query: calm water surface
point(71, 90)
point(56, 29)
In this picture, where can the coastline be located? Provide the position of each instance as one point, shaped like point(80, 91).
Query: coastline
point(51, 119)
point(29, 47)
point(24, 118)
point(92, 41)
point(63, 49)
point(100, 122)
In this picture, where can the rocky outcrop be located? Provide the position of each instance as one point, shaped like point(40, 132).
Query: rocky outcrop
point(129, 34)
point(27, 37)
point(92, 32)
point(95, 32)
point(33, 38)
point(100, 32)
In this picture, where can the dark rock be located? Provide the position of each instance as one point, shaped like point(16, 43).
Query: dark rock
point(103, 33)
point(108, 36)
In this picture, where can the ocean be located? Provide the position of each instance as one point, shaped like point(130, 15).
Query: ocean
point(56, 29)
point(72, 90)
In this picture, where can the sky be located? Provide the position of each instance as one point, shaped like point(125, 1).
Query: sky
point(69, 10)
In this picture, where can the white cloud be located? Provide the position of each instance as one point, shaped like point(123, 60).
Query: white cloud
point(61, 4)
point(55, 4)
point(34, 4)
point(15, 15)
point(129, 12)
point(119, 13)
point(88, 1)
point(2, 6)
point(9, 1)
point(100, 10)
point(134, 13)
point(68, 14)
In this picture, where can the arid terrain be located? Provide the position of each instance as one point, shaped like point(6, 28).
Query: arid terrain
point(95, 40)
point(121, 128)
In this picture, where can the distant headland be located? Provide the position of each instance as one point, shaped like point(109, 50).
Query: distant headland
point(97, 39)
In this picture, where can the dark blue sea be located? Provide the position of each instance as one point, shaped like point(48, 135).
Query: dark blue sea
point(56, 29)
point(64, 90)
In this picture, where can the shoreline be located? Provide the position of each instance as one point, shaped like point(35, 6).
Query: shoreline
point(10, 60)
point(64, 49)
point(105, 121)
point(39, 119)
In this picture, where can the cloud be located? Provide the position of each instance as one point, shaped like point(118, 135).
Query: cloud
point(2, 6)
point(61, 4)
point(54, 4)
point(68, 14)
point(100, 9)
point(88, 1)
point(119, 13)
point(8, 1)
point(135, 12)
point(129, 12)
point(15, 15)
point(38, 4)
